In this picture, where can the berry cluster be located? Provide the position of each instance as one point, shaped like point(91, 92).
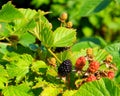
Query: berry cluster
point(93, 72)
point(63, 18)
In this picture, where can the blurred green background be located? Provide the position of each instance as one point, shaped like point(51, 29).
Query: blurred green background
point(101, 28)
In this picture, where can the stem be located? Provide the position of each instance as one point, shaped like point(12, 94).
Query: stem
point(68, 83)
point(55, 56)
point(5, 43)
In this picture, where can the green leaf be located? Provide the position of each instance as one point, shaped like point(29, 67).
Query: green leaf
point(3, 30)
point(26, 39)
point(3, 48)
point(114, 50)
point(51, 75)
point(42, 31)
point(19, 26)
point(27, 13)
point(102, 87)
point(100, 54)
point(24, 24)
point(64, 37)
point(19, 66)
point(102, 5)
point(3, 77)
point(38, 3)
point(39, 67)
point(87, 31)
point(19, 90)
point(95, 20)
point(89, 7)
point(40, 83)
point(50, 91)
point(64, 55)
point(69, 93)
point(83, 45)
point(3, 72)
point(9, 13)
point(97, 40)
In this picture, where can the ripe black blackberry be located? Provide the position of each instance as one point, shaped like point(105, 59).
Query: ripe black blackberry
point(65, 68)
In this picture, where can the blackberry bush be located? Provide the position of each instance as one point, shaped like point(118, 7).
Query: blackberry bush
point(31, 50)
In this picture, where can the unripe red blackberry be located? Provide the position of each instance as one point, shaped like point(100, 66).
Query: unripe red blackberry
point(93, 67)
point(80, 63)
point(65, 68)
point(91, 78)
point(110, 74)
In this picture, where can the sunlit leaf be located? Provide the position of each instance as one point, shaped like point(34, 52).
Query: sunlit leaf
point(39, 67)
point(64, 37)
point(9, 13)
point(26, 39)
point(3, 77)
point(3, 30)
point(83, 45)
point(19, 66)
point(19, 90)
point(69, 92)
point(3, 48)
point(26, 23)
point(50, 91)
point(64, 55)
point(42, 30)
point(102, 87)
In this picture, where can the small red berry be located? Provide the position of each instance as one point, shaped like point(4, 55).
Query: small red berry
point(110, 74)
point(91, 78)
point(80, 63)
point(93, 67)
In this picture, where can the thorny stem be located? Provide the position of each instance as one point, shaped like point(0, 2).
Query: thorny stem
point(54, 56)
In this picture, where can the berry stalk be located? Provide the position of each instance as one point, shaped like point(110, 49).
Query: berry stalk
point(54, 56)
